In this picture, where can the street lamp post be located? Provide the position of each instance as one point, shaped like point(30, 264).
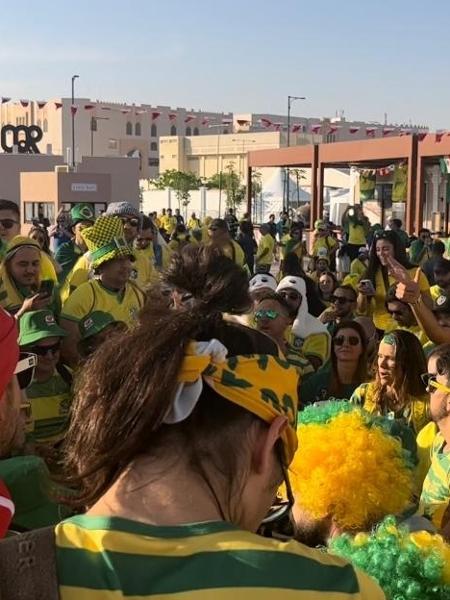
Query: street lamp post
point(218, 172)
point(291, 99)
point(73, 119)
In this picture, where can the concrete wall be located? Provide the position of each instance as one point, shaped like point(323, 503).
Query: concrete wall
point(124, 176)
point(12, 165)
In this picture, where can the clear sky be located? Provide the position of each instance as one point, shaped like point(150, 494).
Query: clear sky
point(366, 58)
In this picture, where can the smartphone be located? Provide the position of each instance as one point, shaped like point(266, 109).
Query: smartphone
point(368, 285)
point(46, 288)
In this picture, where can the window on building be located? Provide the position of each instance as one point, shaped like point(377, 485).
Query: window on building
point(39, 211)
point(153, 131)
point(196, 131)
point(45, 126)
point(188, 131)
point(129, 128)
point(153, 162)
point(112, 144)
point(173, 130)
point(137, 129)
point(154, 146)
point(225, 131)
point(331, 138)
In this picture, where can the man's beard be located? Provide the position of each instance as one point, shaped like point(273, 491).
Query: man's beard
point(312, 533)
point(441, 413)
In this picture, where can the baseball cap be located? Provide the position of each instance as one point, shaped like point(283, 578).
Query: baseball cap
point(28, 481)
point(94, 323)
point(119, 209)
point(38, 325)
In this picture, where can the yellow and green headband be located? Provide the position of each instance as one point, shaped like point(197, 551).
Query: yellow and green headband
point(262, 384)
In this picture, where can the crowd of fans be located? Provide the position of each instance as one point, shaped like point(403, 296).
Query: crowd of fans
point(212, 409)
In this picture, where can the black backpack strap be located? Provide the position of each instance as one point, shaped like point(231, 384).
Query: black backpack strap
point(28, 566)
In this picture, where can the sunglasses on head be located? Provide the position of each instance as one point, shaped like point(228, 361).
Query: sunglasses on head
point(132, 221)
point(266, 314)
point(340, 299)
point(429, 380)
point(352, 340)
point(8, 223)
point(25, 368)
point(44, 350)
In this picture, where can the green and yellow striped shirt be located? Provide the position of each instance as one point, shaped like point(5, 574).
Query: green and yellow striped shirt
point(101, 558)
point(435, 496)
point(50, 405)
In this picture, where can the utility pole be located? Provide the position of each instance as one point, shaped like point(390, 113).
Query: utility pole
point(291, 99)
point(73, 119)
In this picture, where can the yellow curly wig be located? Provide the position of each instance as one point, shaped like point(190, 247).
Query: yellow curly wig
point(349, 470)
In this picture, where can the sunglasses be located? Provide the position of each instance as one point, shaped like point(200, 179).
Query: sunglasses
point(396, 313)
point(290, 295)
point(352, 340)
point(429, 380)
point(44, 350)
point(25, 368)
point(340, 300)
point(281, 509)
point(133, 222)
point(266, 314)
point(8, 223)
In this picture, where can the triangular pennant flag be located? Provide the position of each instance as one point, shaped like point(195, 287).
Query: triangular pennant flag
point(89, 106)
point(354, 129)
point(387, 131)
point(205, 120)
point(421, 136)
point(189, 118)
point(5, 99)
point(172, 116)
point(58, 105)
point(296, 128)
point(439, 135)
point(242, 122)
point(41, 104)
point(155, 115)
point(405, 132)
point(316, 128)
point(125, 111)
point(370, 131)
point(265, 122)
point(24, 103)
point(73, 109)
point(333, 128)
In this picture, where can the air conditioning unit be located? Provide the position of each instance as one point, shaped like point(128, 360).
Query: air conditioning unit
point(63, 169)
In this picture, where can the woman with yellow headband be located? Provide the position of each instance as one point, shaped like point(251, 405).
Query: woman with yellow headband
point(181, 435)
point(398, 391)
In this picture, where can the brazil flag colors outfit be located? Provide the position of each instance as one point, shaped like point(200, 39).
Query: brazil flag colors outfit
point(435, 497)
point(104, 558)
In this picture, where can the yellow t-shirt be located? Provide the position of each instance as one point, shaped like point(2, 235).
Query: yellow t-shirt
point(356, 234)
point(265, 243)
point(169, 223)
point(328, 242)
point(435, 292)
point(235, 252)
point(357, 267)
point(381, 317)
point(194, 223)
point(92, 296)
point(144, 272)
point(316, 344)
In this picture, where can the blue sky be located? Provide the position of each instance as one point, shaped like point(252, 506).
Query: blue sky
point(367, 58)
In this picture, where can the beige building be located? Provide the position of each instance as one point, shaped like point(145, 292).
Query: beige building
point(109, 129)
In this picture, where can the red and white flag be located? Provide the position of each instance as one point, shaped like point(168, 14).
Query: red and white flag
point(89, 106)
point(439, 135)
point(6, 509)
point(155, 115)
point(41, 104)
point(5, 99)
point(24, 103)
point(58, 105)
point(405, 132)
point(125, 111)
point(370, 131)
point(353, 130)
point(242, 122)
point(73, 109)
point(265, 122)
point(277, 126)
point(421, 136)
point(296, 128)
point(387, 131)
point(205, 120)
point(334, 128)
point(189, 118)
point(316, 128)
point(172, 116)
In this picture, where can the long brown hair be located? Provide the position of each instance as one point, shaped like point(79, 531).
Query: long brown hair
point(361, 375)
point(410, 363)
point(125, 390)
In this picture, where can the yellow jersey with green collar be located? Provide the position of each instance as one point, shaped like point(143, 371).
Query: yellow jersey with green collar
point(435, 497)
point(93, 296)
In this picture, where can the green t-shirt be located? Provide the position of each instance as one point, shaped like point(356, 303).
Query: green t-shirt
point(316, 387)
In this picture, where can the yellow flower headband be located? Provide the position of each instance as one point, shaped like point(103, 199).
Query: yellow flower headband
point(264, 385)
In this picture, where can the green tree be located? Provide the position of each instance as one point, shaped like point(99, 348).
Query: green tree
point(181, 182)
point(230, 182)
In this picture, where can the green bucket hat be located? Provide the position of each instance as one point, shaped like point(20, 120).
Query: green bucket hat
point(82, 212)
point(94, 323)
point(38, 325)
point(28, 481)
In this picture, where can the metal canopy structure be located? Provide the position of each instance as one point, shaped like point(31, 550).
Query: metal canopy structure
point(365, 154)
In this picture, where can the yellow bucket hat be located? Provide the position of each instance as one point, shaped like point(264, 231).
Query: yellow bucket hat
point(262, 384)
point(105, 240)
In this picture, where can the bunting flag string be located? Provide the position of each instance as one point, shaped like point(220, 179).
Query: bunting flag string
point(189, 118)
point(5, 99)
point(205, 120)
point(316, 128)
point(265, 122)
point(24, 103)
point(155, 115)
point(354, 130)
point(381, 171)
point(73, 109)
point(58, 105)
point(89, 106)
point(41, 104)
point(172, 117)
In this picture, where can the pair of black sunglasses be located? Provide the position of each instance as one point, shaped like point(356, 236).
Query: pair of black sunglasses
point(340, 340)
point(43, 350)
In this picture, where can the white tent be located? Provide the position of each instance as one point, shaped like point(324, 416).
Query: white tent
point(274, 191)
